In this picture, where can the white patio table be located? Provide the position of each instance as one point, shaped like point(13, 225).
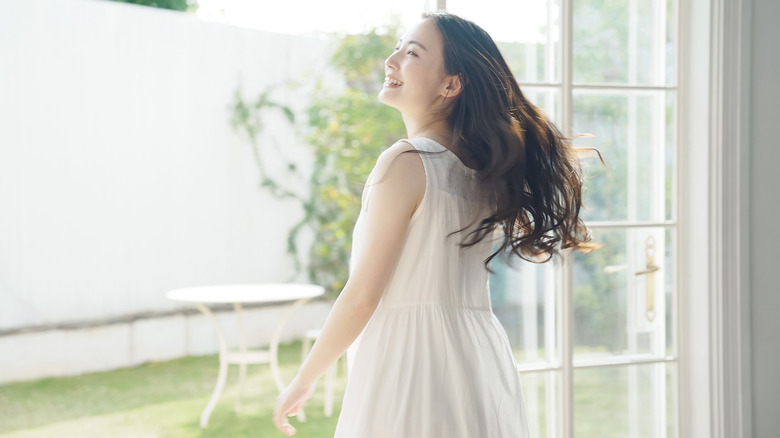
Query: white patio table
point(238, 294)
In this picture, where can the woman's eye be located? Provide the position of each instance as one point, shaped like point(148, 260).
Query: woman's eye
point(408, 52)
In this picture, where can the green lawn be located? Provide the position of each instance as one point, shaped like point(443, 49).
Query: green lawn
point(165, 399)
point(162, 399)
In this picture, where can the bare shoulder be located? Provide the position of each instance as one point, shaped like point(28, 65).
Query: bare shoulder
point(399, 170)
point(401, 158)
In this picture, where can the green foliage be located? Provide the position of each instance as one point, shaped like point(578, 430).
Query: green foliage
point(600, 296)
point(174, 5)
point(360, 58)
point(347, 132)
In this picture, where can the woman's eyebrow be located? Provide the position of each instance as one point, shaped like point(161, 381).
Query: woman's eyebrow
point(414, 42)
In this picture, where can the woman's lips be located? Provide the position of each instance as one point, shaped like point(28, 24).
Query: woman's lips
point(391, 82)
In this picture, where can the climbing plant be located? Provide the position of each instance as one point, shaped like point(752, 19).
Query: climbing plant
point(346, 131)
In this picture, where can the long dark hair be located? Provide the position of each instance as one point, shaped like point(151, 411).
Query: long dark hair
point(530, 167)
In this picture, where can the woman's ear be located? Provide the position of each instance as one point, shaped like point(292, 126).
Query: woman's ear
point(453, 86)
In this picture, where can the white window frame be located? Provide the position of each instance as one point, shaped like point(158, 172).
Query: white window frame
point(712, 291)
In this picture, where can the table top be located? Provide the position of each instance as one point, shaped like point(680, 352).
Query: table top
point(246, 293)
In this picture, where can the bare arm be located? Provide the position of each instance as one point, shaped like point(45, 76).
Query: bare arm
point(396, 190)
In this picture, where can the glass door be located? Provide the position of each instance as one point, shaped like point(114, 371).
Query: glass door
point(595, 334)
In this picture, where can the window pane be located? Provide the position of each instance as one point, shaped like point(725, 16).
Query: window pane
point(634, 401)
point(522, 295)
point(526, 31)
point(670, 156)
point(630, 129)
point(548, 99)
point(624, 41)
point(619, 307)
point(541, 394)
point(669, 288)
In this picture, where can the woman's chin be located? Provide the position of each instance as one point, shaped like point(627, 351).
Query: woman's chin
point(385, 99)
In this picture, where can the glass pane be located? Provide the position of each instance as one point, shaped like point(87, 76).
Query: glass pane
point(623, 293)
point(670, 155)
point(527, 32)
point(541, 392)
point(631, 131)
point(634, 401)
point(670, 296)
point(547, 99)
point(624, 42)
point(522, 295)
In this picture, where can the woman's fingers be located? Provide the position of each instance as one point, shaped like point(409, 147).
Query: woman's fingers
point(283, 425)
point(280, 421)
point(289, 404)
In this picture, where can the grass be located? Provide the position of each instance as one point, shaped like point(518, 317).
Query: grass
point(165, 399)
point(161, 399)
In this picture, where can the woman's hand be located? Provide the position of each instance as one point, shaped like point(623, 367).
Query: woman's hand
point(289, 403)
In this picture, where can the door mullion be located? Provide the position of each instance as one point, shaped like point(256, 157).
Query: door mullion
point(566, 66)
point(566, 334)
point(567, 343)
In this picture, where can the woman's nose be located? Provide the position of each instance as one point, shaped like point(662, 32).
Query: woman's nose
point(390, 62)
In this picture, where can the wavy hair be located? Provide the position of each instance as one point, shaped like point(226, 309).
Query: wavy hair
point(527, 164)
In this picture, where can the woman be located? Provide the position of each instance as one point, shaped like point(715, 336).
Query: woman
point(433, 361)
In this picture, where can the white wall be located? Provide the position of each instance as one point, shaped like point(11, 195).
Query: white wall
point(120, 176)
point(765, 217)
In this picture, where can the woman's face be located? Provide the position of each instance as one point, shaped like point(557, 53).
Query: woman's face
point(415, 78)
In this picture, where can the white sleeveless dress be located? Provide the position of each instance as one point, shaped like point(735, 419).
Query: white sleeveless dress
point(433, 360)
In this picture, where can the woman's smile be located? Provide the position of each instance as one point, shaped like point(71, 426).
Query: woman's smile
point(391, 82)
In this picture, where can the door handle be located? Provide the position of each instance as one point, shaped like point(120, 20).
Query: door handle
point(649, 271)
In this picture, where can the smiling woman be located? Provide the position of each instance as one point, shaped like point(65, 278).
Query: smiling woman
point(431, 358)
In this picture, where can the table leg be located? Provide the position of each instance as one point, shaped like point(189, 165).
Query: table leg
point(274, 348)
point(242, 349)
point(223, 366)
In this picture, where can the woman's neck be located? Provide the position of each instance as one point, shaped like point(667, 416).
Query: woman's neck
point(436, 129)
